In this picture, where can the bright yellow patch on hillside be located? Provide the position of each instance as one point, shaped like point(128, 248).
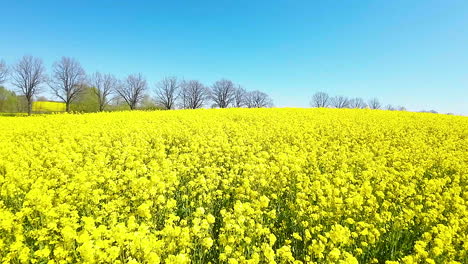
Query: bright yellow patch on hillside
point(234, 186)
point(44, 106)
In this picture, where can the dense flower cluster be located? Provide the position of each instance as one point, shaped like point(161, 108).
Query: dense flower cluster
point(234, 186)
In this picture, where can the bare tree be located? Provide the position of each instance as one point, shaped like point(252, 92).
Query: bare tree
point(133, 89)
point(257, 99)
point(340, 102)
point(429, 111)
point(68, 80)
point(389, 107)
point(374, 103)
point(320, 99)
point(193, 94)
point(3, 71)
point(357, 103)
point(401, 108)
point(167, 92)
point(103, 86)
point(27, 75)
point(239, 97)
point(223, 93)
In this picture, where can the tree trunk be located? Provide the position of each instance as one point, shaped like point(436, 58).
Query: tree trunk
point(67, 105)
point(29, 107)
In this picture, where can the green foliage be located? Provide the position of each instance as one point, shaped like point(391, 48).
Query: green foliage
point(149, 104)
point(21, 104)
point(86, 102)
point(8, 100)
point(117, 104)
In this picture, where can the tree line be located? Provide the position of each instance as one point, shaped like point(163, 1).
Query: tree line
point(69, 83)
point(322, 99)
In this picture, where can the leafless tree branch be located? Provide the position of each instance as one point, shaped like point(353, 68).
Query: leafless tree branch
point(239, 97)
point(223, 93)
point(357, 103)
point(3, 71)
point(257, 99)
point(193, 94)
point(374, 103)
point(340, 102)
point(68, 80)
point(133, 89)
point(167, 92)
point(104, 85)
point(320, 99)
point(390, 107)
point(27, 75)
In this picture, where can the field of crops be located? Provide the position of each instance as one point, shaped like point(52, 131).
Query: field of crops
point(46, 106)
point(234, 186)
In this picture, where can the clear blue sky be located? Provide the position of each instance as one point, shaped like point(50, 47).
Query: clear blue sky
point(412, 53)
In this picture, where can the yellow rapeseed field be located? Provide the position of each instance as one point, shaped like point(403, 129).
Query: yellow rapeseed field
point(46, 106)
point(234, 186)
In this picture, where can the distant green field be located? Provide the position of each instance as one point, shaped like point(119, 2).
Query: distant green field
point(48, 107)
